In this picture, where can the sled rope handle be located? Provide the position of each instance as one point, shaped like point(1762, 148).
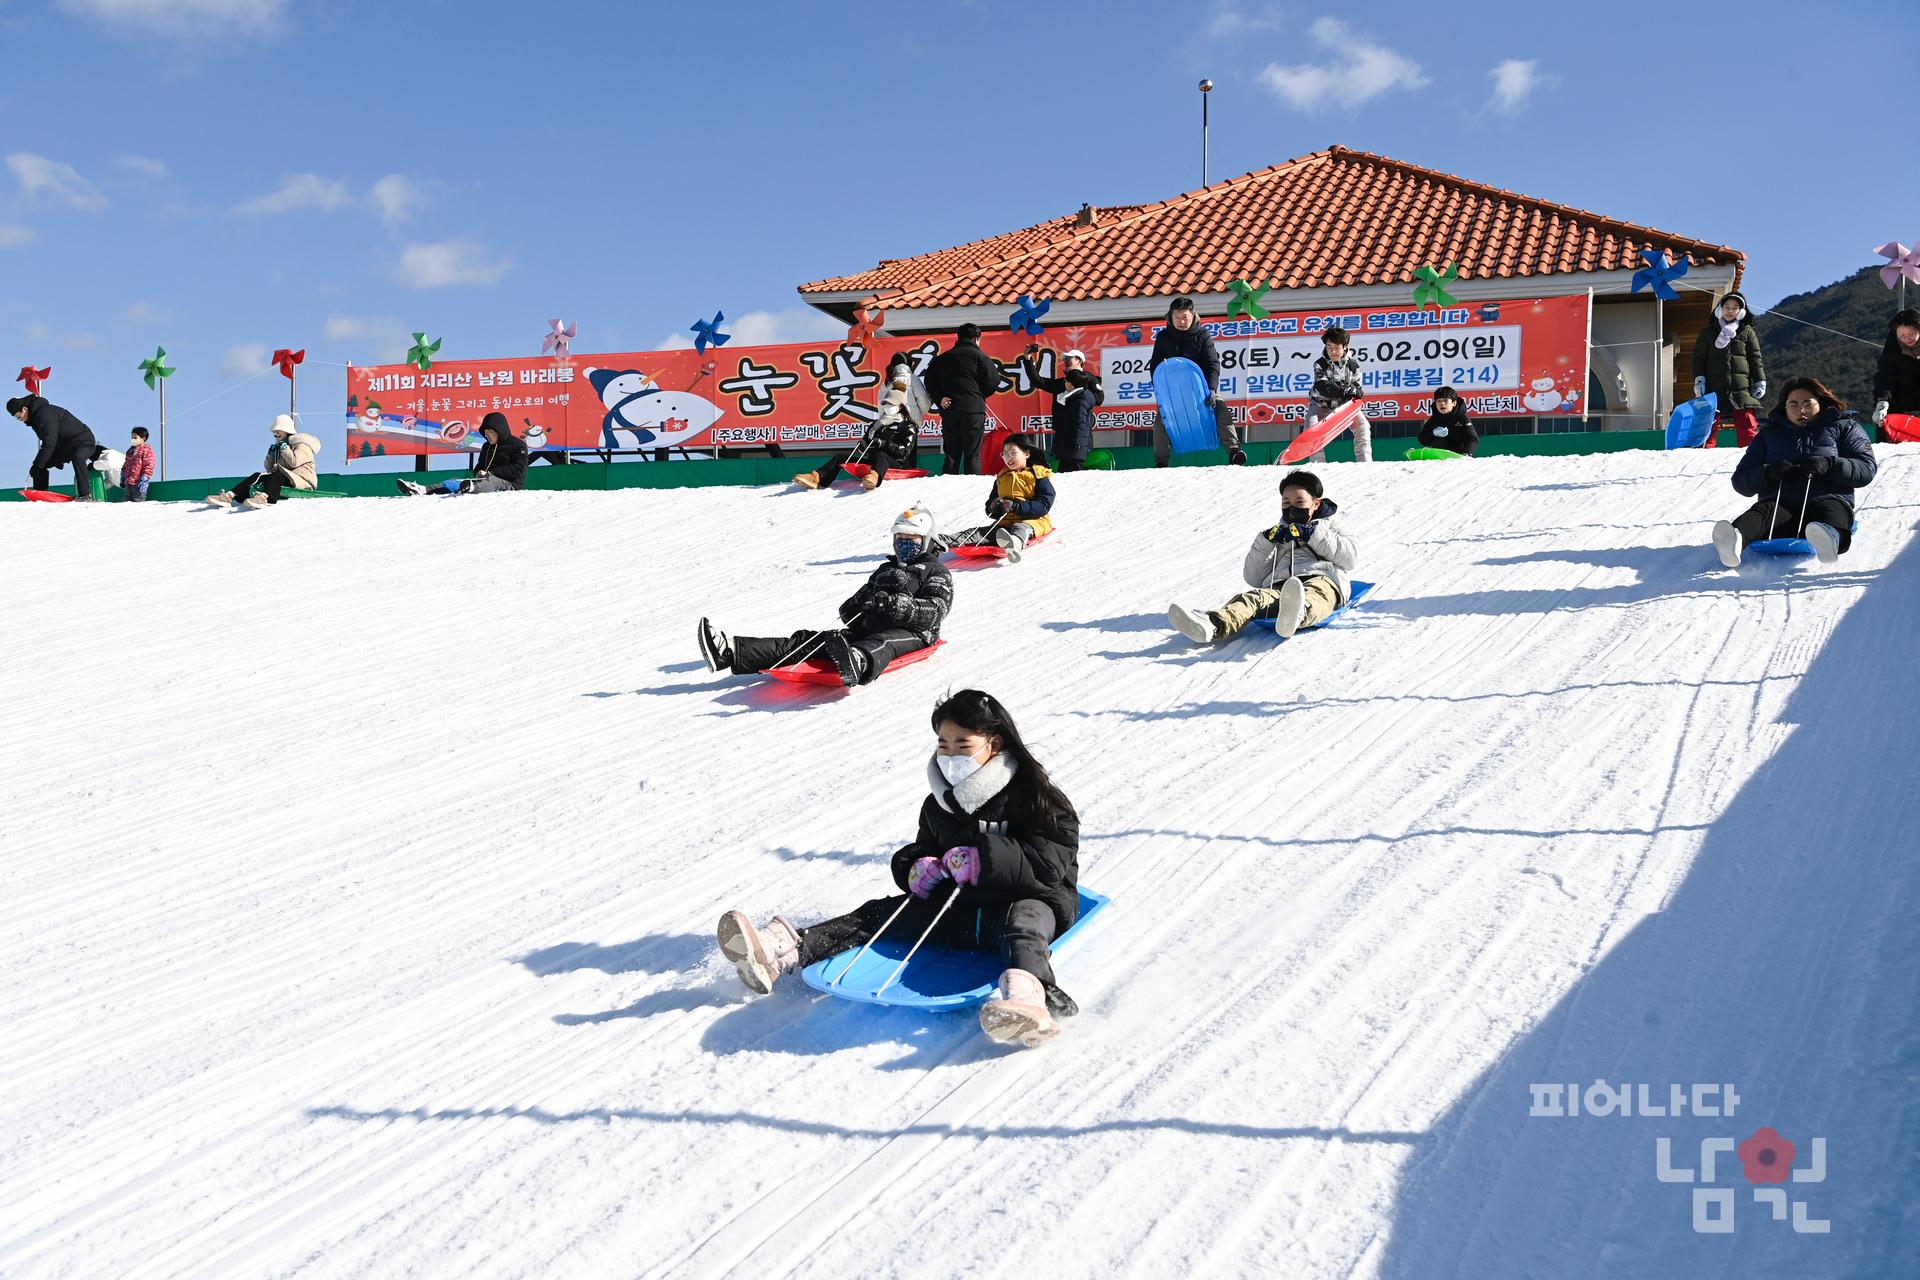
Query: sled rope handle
point(899, 968)
point(870, 941)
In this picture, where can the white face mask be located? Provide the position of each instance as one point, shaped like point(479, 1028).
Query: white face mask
point(955, 769)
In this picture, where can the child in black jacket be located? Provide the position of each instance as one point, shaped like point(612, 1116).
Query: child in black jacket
point(1448, 427)
point(998, 843)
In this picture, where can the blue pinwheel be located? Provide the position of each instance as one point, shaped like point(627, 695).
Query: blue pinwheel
point(1658, 274)
point(707, 333)
point(1028, 316)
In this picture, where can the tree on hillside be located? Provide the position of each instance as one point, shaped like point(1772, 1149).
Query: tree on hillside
point(1860, 306)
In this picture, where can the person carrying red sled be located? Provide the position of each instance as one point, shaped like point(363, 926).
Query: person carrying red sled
point(993, 865)
point(898, 611)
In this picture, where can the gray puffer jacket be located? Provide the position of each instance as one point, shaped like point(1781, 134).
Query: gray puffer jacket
point(1330, 552)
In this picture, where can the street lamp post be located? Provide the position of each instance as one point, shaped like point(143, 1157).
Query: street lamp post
point(1206, 87)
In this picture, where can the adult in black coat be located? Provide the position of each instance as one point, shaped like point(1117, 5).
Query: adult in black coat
point(1448, 427)
point(1896, 379)
point(500, 466)
point(64, 441)
point(1186, 337)
point(994, 864)
point(959, 381)
point(1810, 455)
point(1076, 394)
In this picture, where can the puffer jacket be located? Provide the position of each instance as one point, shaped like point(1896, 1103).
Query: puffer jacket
point(1075, 397)
point(897, 430)
point(923, 584)
point(1330, 552)
point(1896, 379)
point(62, 436)
point(1451, 431)
point(1024, 496)
point(1734, 370)
point(1336, 381)
point(295, 458)
point(1194, 344)
point(966, 375)
point(1835, 434)
point(1014, 863)
point(506, 458)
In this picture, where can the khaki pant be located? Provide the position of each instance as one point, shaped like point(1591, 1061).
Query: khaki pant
point(1322, 598)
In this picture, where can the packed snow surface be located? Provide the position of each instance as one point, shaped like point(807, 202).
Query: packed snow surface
point(363, 857)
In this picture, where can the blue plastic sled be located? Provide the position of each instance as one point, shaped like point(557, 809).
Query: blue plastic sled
point(1181, 390)
point(1690, 423)
point(1788, 546)
point(942, 979)
point(1359, 592)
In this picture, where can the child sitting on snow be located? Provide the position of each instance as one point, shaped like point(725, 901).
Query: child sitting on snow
point(1021, 498)
point(996, 826)
point(1298, 569)
point(899, 610)
point(893, 440)
point(1803, 466)
point(1447, 427)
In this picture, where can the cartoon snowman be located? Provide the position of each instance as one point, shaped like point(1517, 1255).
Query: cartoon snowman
point(1544, 396)
point(637, 407)
point(536, 437)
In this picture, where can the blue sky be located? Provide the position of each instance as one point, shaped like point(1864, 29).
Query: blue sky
point(222, 177)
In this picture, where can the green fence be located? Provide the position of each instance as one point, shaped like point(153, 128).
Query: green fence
point(747, 471)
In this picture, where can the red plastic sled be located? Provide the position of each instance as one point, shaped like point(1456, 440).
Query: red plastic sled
point(820, 671)
point(48, 495)
point(1902, 427)
point(858, 470)
point(1315, 438)
point(992, 550)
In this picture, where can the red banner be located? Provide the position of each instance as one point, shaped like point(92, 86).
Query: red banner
point(1506, 359)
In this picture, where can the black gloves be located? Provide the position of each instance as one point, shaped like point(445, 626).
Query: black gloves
point(1778, 472)
point(1819, 466)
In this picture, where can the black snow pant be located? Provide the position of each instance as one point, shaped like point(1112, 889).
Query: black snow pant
point(1020, 930)
point(752, 654)
point(1761, 521)
point(1064, 464)
point(961, 432)
point(879, 459)
point(267, 482)
point(79, 459)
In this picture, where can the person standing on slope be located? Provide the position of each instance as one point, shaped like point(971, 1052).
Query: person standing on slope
point(65, 441)
point(1896, 379)
point(1727, 362)
point(1803, 467)
point(960, 380)
point(1298, 570)
point(1184, 336)
point(998, 838)
point(1076, 394)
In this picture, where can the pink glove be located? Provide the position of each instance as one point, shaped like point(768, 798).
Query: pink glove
point(963, 864)
point(926, 873)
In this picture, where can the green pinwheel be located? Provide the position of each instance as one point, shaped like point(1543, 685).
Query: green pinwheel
point(1246, 299)
point(421, 354)
point(156, 367)
point(1431, 291)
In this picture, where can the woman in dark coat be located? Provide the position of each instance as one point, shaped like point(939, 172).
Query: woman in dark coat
point(1896, 380)
point(1727, 362)
point(1803, 468)
point(995, 864)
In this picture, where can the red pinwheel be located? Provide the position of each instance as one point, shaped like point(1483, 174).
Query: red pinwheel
point(867, 321)
point(287, 359)
point(33, 378)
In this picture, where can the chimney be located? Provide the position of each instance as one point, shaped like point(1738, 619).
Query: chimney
point(1087, 216)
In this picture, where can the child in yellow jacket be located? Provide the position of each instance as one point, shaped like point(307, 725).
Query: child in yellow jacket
point(1022, 496)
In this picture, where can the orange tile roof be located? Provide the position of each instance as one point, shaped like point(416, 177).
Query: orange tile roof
point(1333, 218)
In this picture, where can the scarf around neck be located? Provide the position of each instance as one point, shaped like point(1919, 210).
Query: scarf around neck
point(974, 790)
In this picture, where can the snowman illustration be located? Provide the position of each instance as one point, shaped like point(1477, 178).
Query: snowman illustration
point(536, 436)
point(1544, 396)
point(640, 411)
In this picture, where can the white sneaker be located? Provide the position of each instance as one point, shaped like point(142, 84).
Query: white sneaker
point(1197, 627)
point(759, 955)
point(1011, 543)
point(1726, 540)
point(411, 489)
point(1292, 608)
point(221, 499)
point(256, 501)
point(1019, 1012)
point(1825, 541)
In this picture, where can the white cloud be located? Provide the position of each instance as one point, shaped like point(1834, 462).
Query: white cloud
point(1358, 71)
point(41, 178)
point(298, 191)
point(766, 329)
point(1229, 20)
point(397, 197)
point(448, 262)
point(1514, 82)
point(195, 18)
point(147, 313)
point(145, 166)
point(42, 334)
point(244, 360)
point(15, 236)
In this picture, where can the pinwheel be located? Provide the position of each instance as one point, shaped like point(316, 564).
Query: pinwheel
point(1903, 264)
point(555, 343)
point(1027, 317)
point(157, 372)
point(1432, 289)
point(34, 377)
point(707, 333)
point(1658, 275)
point(867, 319)
point(421, 353)
point(1246, 299)
point(286, 359)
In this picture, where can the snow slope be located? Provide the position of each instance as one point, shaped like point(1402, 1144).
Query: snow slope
point(362, 860)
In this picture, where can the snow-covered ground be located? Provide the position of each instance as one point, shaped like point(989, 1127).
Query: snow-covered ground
point(362, 860)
